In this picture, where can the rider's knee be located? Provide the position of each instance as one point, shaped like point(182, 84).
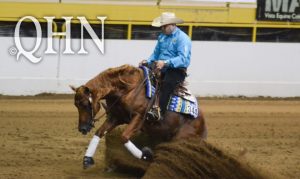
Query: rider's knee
point(166, 86)
point(168, 83)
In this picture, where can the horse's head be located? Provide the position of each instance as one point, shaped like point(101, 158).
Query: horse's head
point(83, 102)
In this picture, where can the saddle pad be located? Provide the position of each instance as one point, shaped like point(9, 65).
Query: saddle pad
point(150, 89)
point(181, 105)
point(186, 104)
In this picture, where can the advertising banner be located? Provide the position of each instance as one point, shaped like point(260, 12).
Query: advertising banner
point(278, 10)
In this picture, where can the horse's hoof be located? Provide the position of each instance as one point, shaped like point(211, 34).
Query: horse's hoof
point(87, 162)
point(147, 154)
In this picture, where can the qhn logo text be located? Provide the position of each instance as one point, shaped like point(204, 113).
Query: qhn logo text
point(19, 50)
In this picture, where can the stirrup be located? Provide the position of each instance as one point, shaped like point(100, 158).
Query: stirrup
point(154, 114)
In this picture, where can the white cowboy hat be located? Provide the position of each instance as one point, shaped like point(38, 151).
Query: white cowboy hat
point(166, 18)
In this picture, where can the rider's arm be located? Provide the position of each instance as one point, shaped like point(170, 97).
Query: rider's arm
point(183, 51)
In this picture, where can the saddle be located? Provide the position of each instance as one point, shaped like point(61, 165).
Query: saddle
point(182, 101)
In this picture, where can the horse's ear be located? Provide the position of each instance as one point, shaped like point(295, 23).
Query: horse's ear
point(73, 88)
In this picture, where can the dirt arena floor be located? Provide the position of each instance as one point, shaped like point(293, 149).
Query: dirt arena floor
point(39, 137)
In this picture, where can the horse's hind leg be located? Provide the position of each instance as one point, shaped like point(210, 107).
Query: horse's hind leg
point(192, 128)
point(186, 131)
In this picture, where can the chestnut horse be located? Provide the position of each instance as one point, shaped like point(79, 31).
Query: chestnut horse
point(124, 91)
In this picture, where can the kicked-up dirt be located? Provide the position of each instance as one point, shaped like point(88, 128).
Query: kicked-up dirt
point(39, 137)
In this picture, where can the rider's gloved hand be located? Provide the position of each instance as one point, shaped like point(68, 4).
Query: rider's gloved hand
point(143, 63)
point(160, 64)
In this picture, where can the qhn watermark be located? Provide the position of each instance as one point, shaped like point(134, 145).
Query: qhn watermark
point(30, 54)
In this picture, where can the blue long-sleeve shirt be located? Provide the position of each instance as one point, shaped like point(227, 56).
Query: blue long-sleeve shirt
point(175, 49)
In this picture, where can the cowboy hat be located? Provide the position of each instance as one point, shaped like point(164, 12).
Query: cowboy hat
point(166, 18)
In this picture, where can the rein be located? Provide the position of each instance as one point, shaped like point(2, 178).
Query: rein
point(106, 112)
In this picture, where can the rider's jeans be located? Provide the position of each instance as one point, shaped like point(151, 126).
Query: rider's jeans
point(170, 79)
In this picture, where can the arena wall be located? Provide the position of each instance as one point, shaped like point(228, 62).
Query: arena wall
point(217, 69)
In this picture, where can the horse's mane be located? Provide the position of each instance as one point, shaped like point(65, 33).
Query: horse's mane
point(117, 71)
point(114, 76)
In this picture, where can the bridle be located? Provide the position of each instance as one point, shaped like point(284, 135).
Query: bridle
point(92, 122)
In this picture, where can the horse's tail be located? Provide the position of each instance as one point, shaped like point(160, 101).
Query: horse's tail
point(205, 132)
point(204, 126)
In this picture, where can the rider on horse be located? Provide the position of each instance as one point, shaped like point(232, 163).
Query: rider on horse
point(171, 56)
point(128, 103)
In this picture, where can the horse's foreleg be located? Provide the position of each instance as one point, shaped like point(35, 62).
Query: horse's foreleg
point(135, 125)
point(131, 129)
point(88, 160)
